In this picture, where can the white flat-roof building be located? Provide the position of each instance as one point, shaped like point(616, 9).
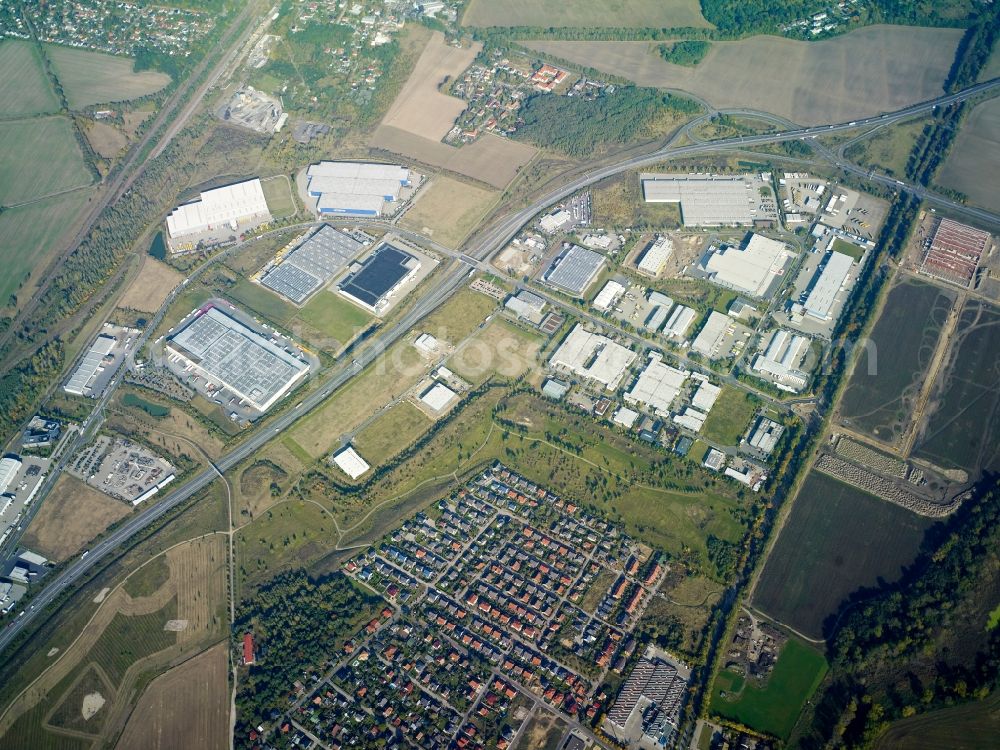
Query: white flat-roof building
point(710, 337)
point(555, 222)
point(691, 418)
point(765, 435)
point(9, 467)
point(234, 206)
point(354, 188)
point(527, 305)
point(438, 396)
point(574, 270)
point(590, 355)
point(713, 200)
point(625, 417)
point(90, 365)
point(655, 257)
point(751, 269)
point(781, 360)
point(714, 459)
point(706, 396)
point(679, 322)
point(657, 386)
point(351, 463)
point(608, 296)
point(831, 280)
point(426, 344)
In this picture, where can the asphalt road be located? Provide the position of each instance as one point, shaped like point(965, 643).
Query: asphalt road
point(492, 240)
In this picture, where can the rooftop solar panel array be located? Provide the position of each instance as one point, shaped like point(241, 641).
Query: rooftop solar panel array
point(378, 275)
point(312, 264)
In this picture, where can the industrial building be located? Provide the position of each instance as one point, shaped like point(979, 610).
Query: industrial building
point(354, 189)
point(781, 359)
point(350, 462)
point(608, 296)
point(376, 279)
point(709, 339)
point(234, 357)
point(40, 432)
point(765, 435)
point(706, 395)
point(528, 306)
point(574, 270)
point(648, 705)
point(655, 258)
point(9, 466)
point(216, 214)
point(657, 386)
point(679, 322)
point(831, 278)
point(438, 397)
point(322, 255)
point(754, 268)
point(96, 358)
point(714, 200)
point(590, 355)
point(954, 252)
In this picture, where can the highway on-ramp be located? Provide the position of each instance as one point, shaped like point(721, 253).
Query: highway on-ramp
point(485, 246)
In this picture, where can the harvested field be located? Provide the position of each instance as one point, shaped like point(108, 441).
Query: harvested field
point(31, 233)
point(660, 14)
point(185, 707)
point(967, 726)
point(973, 163)
point(963, 426)
point(865, 72)
point(153, 285)
point(39, 157)
point(106, 140)
point(836, 540)
point(421, 108)
point(70, 517)
point(95, 78)
point(447, 210)
point(24, 89)
point(198, 571)
point(491, 159)
point(888, 375)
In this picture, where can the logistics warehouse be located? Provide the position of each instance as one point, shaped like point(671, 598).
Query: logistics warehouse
point(374, 281)
point(216, 214)
point(354, 189)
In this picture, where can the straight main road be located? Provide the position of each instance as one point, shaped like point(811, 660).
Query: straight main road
point(491, 241)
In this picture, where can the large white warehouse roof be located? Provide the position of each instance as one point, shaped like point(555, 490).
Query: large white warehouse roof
point(831, 280)
point(593, 356)
point(750, 269)
point(237, 203)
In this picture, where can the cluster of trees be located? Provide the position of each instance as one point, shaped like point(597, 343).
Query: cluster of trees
point(297, 623)
point(922, 643)
point(578, 126)
point(23, 384)
point(724, 555)
point(690, 52)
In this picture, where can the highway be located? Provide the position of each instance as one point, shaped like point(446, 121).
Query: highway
point(491, 241)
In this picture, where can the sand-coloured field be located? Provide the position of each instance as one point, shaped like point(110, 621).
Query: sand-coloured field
point(869, 71)
point(421, 116)
point(447, 210)
point(973, 164)
point(421, 108)
point(658, 14)
point(154, 282)
point(70, 517)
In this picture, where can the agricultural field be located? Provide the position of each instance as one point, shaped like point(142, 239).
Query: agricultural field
point(151, 287)
point(660, 14)
point(968, 726)
point(31, 233)
point(865, 72)
point(973, 163)
point(39, 157)
point(774, 707)
point(90, 77)
point(888, 375)
point(447, 210)
point(185, 707)
point(70, 516)
point(889, 149)
point(963, 427)
point(729, 418)
point(24, 90)
point(836, 540)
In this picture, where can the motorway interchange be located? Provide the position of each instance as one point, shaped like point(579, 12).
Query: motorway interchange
point(475, 255)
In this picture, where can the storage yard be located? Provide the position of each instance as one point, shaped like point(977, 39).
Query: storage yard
point(232, 362)
point(122, 469)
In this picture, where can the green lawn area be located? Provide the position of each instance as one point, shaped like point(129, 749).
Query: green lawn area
point(459, 316)
point(775, 707)
point(698, 451)
point(728, 419)
point(278, 194)
point(333, 315)
point(261, 301)
point(393, 431)
point(848, 248)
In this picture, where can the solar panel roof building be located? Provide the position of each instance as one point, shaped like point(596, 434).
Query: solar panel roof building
point(574, 270)
point(378, 277)
point(306, 268)
point(226, 352)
